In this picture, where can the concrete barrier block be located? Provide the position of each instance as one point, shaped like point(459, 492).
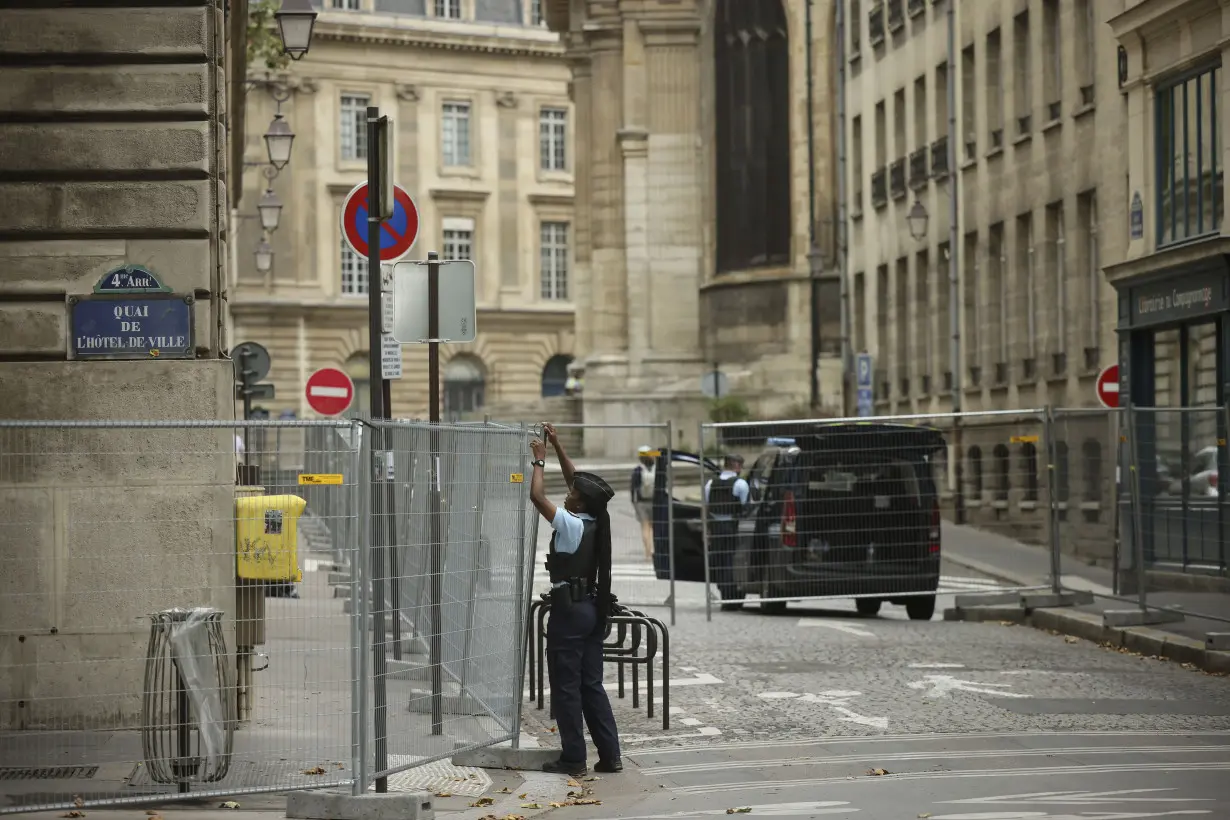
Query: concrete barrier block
point(1146, 641)
point(339, 578)
point(1216, 661)
point(987, 599)
point(1047, 600)
point(1182, 649)
point(506, 757)
point(333, 805)
point(981, 614)
point(1139, 617)
point(341, 592)
point(1217, 641)
point(1086, 625)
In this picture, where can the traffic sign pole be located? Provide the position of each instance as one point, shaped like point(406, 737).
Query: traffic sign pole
point(433, 496)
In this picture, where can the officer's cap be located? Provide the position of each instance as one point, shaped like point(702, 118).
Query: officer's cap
point(591, 487)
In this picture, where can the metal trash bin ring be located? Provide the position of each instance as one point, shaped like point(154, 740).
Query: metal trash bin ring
point(188, 709)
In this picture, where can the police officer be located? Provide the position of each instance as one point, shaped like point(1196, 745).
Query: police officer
point(579, 563)
point(725, 496)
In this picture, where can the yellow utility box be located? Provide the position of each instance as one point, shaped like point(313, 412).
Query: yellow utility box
point(267, 537)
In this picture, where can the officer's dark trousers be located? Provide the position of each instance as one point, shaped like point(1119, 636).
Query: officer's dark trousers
point(574, 651)
point(723, 537)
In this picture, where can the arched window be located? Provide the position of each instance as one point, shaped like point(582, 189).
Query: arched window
point(1091, 469)
point(465, 383)
point(555, 375)
point(359, 371)
point(1063, 473)
point(1003, 468)
point(752, 106)
point(1029, 458)
point(975, 472)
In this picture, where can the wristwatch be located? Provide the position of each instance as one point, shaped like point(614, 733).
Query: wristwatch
point(538, 462)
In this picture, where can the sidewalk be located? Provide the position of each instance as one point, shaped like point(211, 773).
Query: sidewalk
point(1028, 566)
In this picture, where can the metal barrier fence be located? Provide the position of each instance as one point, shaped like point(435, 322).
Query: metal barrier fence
point(852, 508)
point(642, 549)
point(167, 630)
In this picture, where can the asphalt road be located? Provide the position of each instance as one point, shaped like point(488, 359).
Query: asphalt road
point(821, 713)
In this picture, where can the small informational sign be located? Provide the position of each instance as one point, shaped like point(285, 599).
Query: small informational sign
point(1136, 217)
point(714, 384)
point(1107, 387)
point(516, 478)
point(149, 327)
point(1024, 439)
point(457, 303)
point(864, 374)
point(390, 357)
point(321, 478)
point(130, 279)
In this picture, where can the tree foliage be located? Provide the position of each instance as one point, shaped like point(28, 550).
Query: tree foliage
point(264, 45)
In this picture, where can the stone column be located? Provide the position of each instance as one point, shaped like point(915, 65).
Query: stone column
point(580, 90)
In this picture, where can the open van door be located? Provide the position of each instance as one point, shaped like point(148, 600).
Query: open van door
point(690, 474)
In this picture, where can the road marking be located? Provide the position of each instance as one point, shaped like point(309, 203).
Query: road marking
point(1083, 798)
point(937, 666)
point(947, 754)
point(849, 629)
point(689, 721)
point(835, 699)
point(699, 680)
point(927, 737)
point(943, 685)
point(1048, 771)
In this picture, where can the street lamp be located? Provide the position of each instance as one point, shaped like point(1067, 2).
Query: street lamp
point(296, 19)
point(917, 219)
point(270, 210)
point(278, 139)
point(264, 257)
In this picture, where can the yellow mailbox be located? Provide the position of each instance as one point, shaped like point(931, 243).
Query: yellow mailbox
point(267, 537)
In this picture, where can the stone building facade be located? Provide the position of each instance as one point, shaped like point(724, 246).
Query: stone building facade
point(113, 153)
point(695, 215)
point(1042, 210)
point(482, 142)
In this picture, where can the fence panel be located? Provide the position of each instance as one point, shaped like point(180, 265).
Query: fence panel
point(105, 525)
point(851, 508)
point(468, 600)
point(641, 550)
point(1088, 507)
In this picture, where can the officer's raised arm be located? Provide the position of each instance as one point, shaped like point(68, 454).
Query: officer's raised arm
point(565, 463)
point(538, 494)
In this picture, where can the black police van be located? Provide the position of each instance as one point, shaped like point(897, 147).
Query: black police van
point(839, 509)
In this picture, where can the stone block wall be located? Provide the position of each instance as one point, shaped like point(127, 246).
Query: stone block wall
point(112, 153)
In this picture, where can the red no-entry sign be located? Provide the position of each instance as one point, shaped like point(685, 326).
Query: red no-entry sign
point(1108, 387)
point(329, 391)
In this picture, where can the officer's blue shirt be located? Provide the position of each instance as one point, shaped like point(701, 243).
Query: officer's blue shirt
point(740, 490)
point(569, 530)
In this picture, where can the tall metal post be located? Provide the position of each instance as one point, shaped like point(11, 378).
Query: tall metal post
point(843, 211)
point(362, 610)
point(380, 712)
point(813, 248)
point(436, 647)
point(1138, 519)
point(669, 463)
point(527, 550)
point(1052, 456)
point(704, 517)
point(954, 280)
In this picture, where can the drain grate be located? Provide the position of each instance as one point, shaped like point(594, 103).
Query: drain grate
point(49, 773)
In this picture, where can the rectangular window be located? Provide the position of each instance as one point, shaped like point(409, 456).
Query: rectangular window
point(553, 265)
point(901, 326)
point(899, 124)
point(920, 113)
point(943, 302)
point(458, 238)
point(345, 5)
point(856, 164)
point(995, 89)
point(354, 273)
point(1052, 53)
point(997, 296)
point(857, 316)
point(881, 136)
point(455, 133)
point(1021, 71)
point(553, 139)
point(1025, 282)
point(354, 126)
point(941, 100)
point(972, 332)
point(969, 102)
point(448, 9)
point(1189, 173)
point(922, 320)
point(1054, 295)
point(1086, 49)
point(882, 319)
point(1088, 264)
point(536, 16)
point(854, 22)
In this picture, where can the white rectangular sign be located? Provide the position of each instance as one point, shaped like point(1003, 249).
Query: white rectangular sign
point(457, 313)
point(386, 278)
point(390, 357)
point(386, 312)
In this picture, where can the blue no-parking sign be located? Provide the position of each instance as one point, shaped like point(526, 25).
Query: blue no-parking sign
point(864, 376)
point(398, 233)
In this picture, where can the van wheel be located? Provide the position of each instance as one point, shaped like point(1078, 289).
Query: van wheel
point(773, 607)
point(921, 608)
point(868, 606)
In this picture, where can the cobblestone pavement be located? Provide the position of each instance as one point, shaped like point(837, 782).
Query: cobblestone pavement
point(820, 712)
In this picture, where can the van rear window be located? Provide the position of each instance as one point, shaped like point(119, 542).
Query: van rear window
point(888, 479)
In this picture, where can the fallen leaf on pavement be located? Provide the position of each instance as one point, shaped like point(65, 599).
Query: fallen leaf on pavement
point(74, 814)
point(587, 801)
point(77, 801)
point(536, 806)
point(744, 810)
point(553, 730)
point(482, 802)
point(523, 795)
point(573, 783)
point(315, 770)
point(229, 804)
point(925, 815)
point(152, 812)
point(592, 779)
point(505, 790)
point(1070, 639)
point(877, 772)
point(444, 794)
point(513, 817)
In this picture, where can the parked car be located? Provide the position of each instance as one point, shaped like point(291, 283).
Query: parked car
point(845, 509)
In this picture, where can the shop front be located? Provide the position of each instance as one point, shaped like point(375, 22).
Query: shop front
point(1174, 341)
